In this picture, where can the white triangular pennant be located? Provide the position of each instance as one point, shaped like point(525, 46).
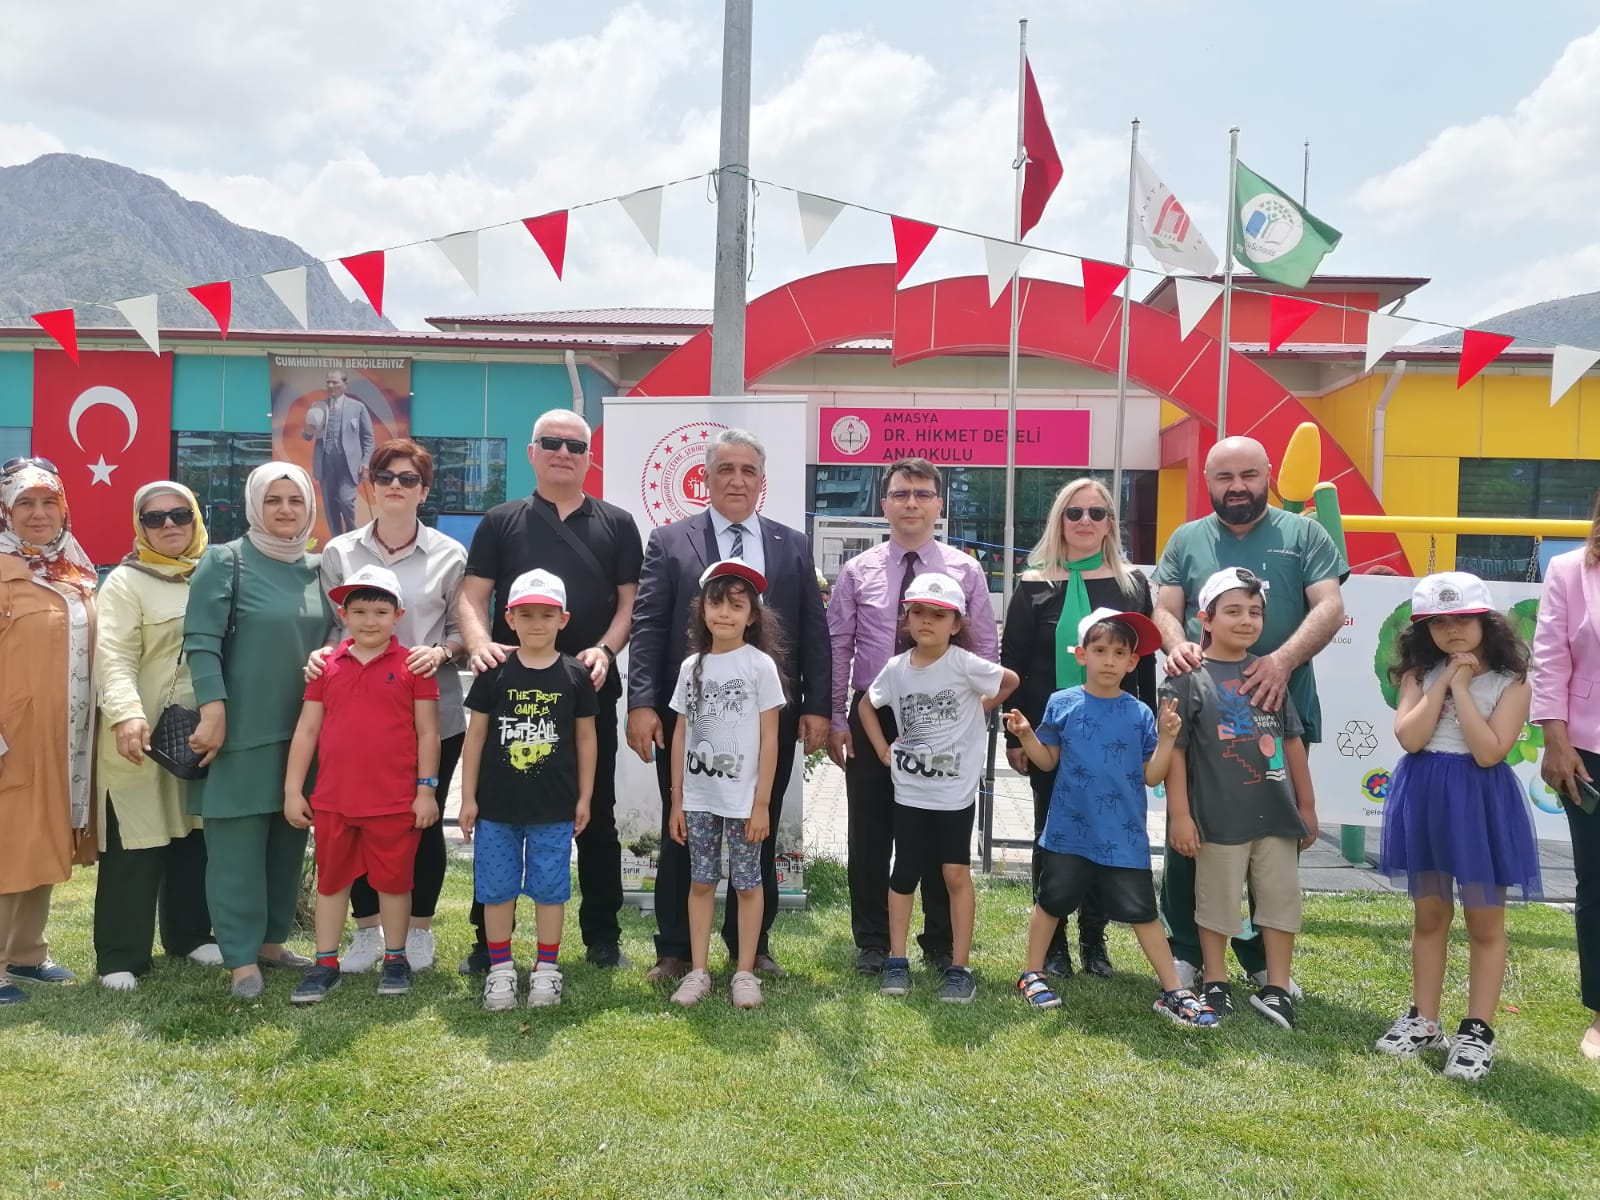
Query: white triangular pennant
point(140, 312)
point(817, 214)
point(644, 210)
point(290, 287)
point(462, 251)
point(1195, 298)
point(1383, 333)
point(1568, 365)
point(1002, 260)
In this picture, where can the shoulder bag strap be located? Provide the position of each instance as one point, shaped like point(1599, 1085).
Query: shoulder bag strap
point(574, 542)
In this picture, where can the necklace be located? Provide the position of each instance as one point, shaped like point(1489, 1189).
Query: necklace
point(393, 550)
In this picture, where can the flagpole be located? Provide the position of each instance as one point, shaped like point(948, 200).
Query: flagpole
point(1305, 177)
point(1018, 165)
point(1122, 347)
point(1227, 283)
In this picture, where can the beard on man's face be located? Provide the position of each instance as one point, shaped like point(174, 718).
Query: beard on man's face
point(1239, 508)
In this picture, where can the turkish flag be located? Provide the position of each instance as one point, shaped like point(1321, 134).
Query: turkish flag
point(106, 422)
point(1044, 168)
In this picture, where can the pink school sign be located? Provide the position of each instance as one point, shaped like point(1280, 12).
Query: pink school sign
point(972, 437)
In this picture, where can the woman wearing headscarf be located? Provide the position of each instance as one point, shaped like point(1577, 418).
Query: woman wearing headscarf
point(245, 649)
point(152, 853)
point(47, 618)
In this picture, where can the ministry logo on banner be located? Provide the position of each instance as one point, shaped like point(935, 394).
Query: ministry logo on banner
point(1164, 225)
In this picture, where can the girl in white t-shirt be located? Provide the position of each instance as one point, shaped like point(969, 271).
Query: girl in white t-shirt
point(940, 694)
point(724, 759)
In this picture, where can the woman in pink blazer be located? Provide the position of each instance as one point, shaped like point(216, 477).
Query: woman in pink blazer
point(1566, 702)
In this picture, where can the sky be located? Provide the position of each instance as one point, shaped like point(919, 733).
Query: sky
point(1447, 141)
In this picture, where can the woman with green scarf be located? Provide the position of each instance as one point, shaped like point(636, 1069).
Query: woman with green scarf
point(1076, 568)
point(152, 853)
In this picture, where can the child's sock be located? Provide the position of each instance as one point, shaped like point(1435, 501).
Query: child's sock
point(328, 958)
point(499, 952)
point(1477, 1028)
point(897, 962)
point(393, 955)
point(547, 953)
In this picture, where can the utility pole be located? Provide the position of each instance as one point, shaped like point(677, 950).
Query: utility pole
point(733, 205)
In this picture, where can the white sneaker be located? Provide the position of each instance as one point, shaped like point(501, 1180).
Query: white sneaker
point(209, 955)
point(419, 949)
point(1188, 975)
point(544, 986)
point(500, 988)
point(1410, 1035)
point(1471, 1054)
point(366, 951)
point(1295, 994)
point(120, 981)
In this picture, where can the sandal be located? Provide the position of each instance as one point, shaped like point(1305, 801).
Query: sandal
point(1184, 1007)
point(1035, 989)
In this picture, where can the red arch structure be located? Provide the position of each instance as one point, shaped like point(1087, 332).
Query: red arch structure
point(954, 316)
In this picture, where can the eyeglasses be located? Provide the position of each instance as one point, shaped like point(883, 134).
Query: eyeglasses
point(901, 495)
point(406, 479)
point(1095, 512)
point(13, 465)
point(156, 518)
point(573, 445)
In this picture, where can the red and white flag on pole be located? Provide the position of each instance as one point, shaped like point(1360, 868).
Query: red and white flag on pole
point(1164, 227)
point(1043, 169)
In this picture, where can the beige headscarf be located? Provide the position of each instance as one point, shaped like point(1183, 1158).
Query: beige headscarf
point(291, 549)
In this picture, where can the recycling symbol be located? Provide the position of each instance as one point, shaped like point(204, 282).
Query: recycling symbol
point(1356, 740)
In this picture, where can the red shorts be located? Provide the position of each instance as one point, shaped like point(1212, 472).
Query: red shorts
point(383, 848)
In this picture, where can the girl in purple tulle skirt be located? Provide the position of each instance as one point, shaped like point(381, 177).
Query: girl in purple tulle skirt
point(1456, 820)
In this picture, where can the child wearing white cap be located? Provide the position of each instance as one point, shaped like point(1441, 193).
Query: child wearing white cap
point(527, 773)
point(941, 693)
point(1455, 817)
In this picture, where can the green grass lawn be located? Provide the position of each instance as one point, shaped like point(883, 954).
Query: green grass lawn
point(178, 1091)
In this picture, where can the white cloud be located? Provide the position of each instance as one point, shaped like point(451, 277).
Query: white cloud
point(24, 143)
point(1569, 273)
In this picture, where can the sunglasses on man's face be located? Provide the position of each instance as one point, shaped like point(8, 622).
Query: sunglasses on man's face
point(573, 445)
point(156, 518)
point(406, 479)
point(1095, 512)
point(13, 465)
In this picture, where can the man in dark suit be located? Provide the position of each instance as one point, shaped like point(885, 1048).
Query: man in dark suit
point(674, 558)
point(341, 428)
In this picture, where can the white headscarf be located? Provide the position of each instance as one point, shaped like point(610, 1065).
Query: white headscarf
point(288, 550)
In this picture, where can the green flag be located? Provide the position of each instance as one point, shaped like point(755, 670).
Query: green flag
point(1274, 236)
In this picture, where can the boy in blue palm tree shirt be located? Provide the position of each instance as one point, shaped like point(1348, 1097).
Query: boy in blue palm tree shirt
point(1239, 798)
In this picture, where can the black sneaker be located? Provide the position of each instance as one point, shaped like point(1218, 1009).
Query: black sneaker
point(315, 986)
point(1059, 965)
point(895, 978)
point(395, 979)
point(1275, 1004)
point(608, 955)
point(937, 960)
point(476, 962)
point(1218, 997)
point(870, 961)
point(1095, 959)
point(959, 986)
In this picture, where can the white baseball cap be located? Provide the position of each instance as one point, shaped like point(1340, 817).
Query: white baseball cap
point(1449, 593)
point(538, 587)
point(370, 576)
point(938, 590)
point(738, 569)
point(1147, 638)
point(1226, 580)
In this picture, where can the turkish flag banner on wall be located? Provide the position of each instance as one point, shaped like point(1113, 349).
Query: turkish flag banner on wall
point(107, 424)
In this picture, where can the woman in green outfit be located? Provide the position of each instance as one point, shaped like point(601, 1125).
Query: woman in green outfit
point(245, 649)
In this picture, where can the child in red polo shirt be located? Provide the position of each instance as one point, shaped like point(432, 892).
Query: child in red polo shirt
point(374, 727)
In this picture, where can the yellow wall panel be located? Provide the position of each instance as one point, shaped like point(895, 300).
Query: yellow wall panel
point(1171, 501)
point(1519, 422)
point(1585, 397)
point(1346, 413)
point(1415, 486)
point(1171, 414)
point(1428, 417)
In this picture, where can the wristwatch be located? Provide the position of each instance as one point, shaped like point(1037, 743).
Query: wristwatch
point(429, 781)
point(611, 655)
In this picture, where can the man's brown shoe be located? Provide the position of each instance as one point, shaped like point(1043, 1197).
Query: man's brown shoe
point(667, 970)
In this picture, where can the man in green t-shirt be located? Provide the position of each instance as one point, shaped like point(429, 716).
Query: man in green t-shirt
point(1302, 569)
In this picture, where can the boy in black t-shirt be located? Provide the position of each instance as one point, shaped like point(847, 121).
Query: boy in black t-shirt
point(527, 774)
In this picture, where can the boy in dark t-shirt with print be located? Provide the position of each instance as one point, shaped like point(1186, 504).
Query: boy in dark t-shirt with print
point(1239, 798)
point(527, 774)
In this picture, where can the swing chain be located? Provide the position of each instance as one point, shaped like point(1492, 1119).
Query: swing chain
point(1433, 551)
point(1532, 574)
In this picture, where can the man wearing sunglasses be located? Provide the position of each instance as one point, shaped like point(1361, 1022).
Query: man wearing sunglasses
point(341, 428)
point(865, 627)
point(594, 548)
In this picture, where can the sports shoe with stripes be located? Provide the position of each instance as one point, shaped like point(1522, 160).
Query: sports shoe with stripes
point(1410, 1035)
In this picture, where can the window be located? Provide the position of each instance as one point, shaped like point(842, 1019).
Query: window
point(16, 441)
point(975, 506)
point(1553, 489)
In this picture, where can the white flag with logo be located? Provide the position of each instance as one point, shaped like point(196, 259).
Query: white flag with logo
point(1164, 227)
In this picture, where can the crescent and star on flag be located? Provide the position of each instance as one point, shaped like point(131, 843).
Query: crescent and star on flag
point(102, 394)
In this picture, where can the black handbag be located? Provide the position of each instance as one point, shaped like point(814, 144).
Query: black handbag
point(169, 740)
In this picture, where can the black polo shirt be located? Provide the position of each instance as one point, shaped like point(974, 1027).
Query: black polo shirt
point(512, 539)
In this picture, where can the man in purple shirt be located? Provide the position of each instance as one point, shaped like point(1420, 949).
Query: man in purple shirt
point(864, 625)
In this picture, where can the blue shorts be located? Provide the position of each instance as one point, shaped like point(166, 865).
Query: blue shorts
point(528, 860)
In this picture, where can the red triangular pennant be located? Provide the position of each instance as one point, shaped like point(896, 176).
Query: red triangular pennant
point(216, 299)
point(367, 270)
point(1479, 348)
point(1100, 281)
point(911, 238)
point(63, 326)
point(1285, 314)
point(550, 231)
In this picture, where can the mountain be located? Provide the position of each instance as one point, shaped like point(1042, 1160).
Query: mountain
point(85, 232)
point(1570, 321)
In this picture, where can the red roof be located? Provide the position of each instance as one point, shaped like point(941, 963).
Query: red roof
point(1388, 287)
